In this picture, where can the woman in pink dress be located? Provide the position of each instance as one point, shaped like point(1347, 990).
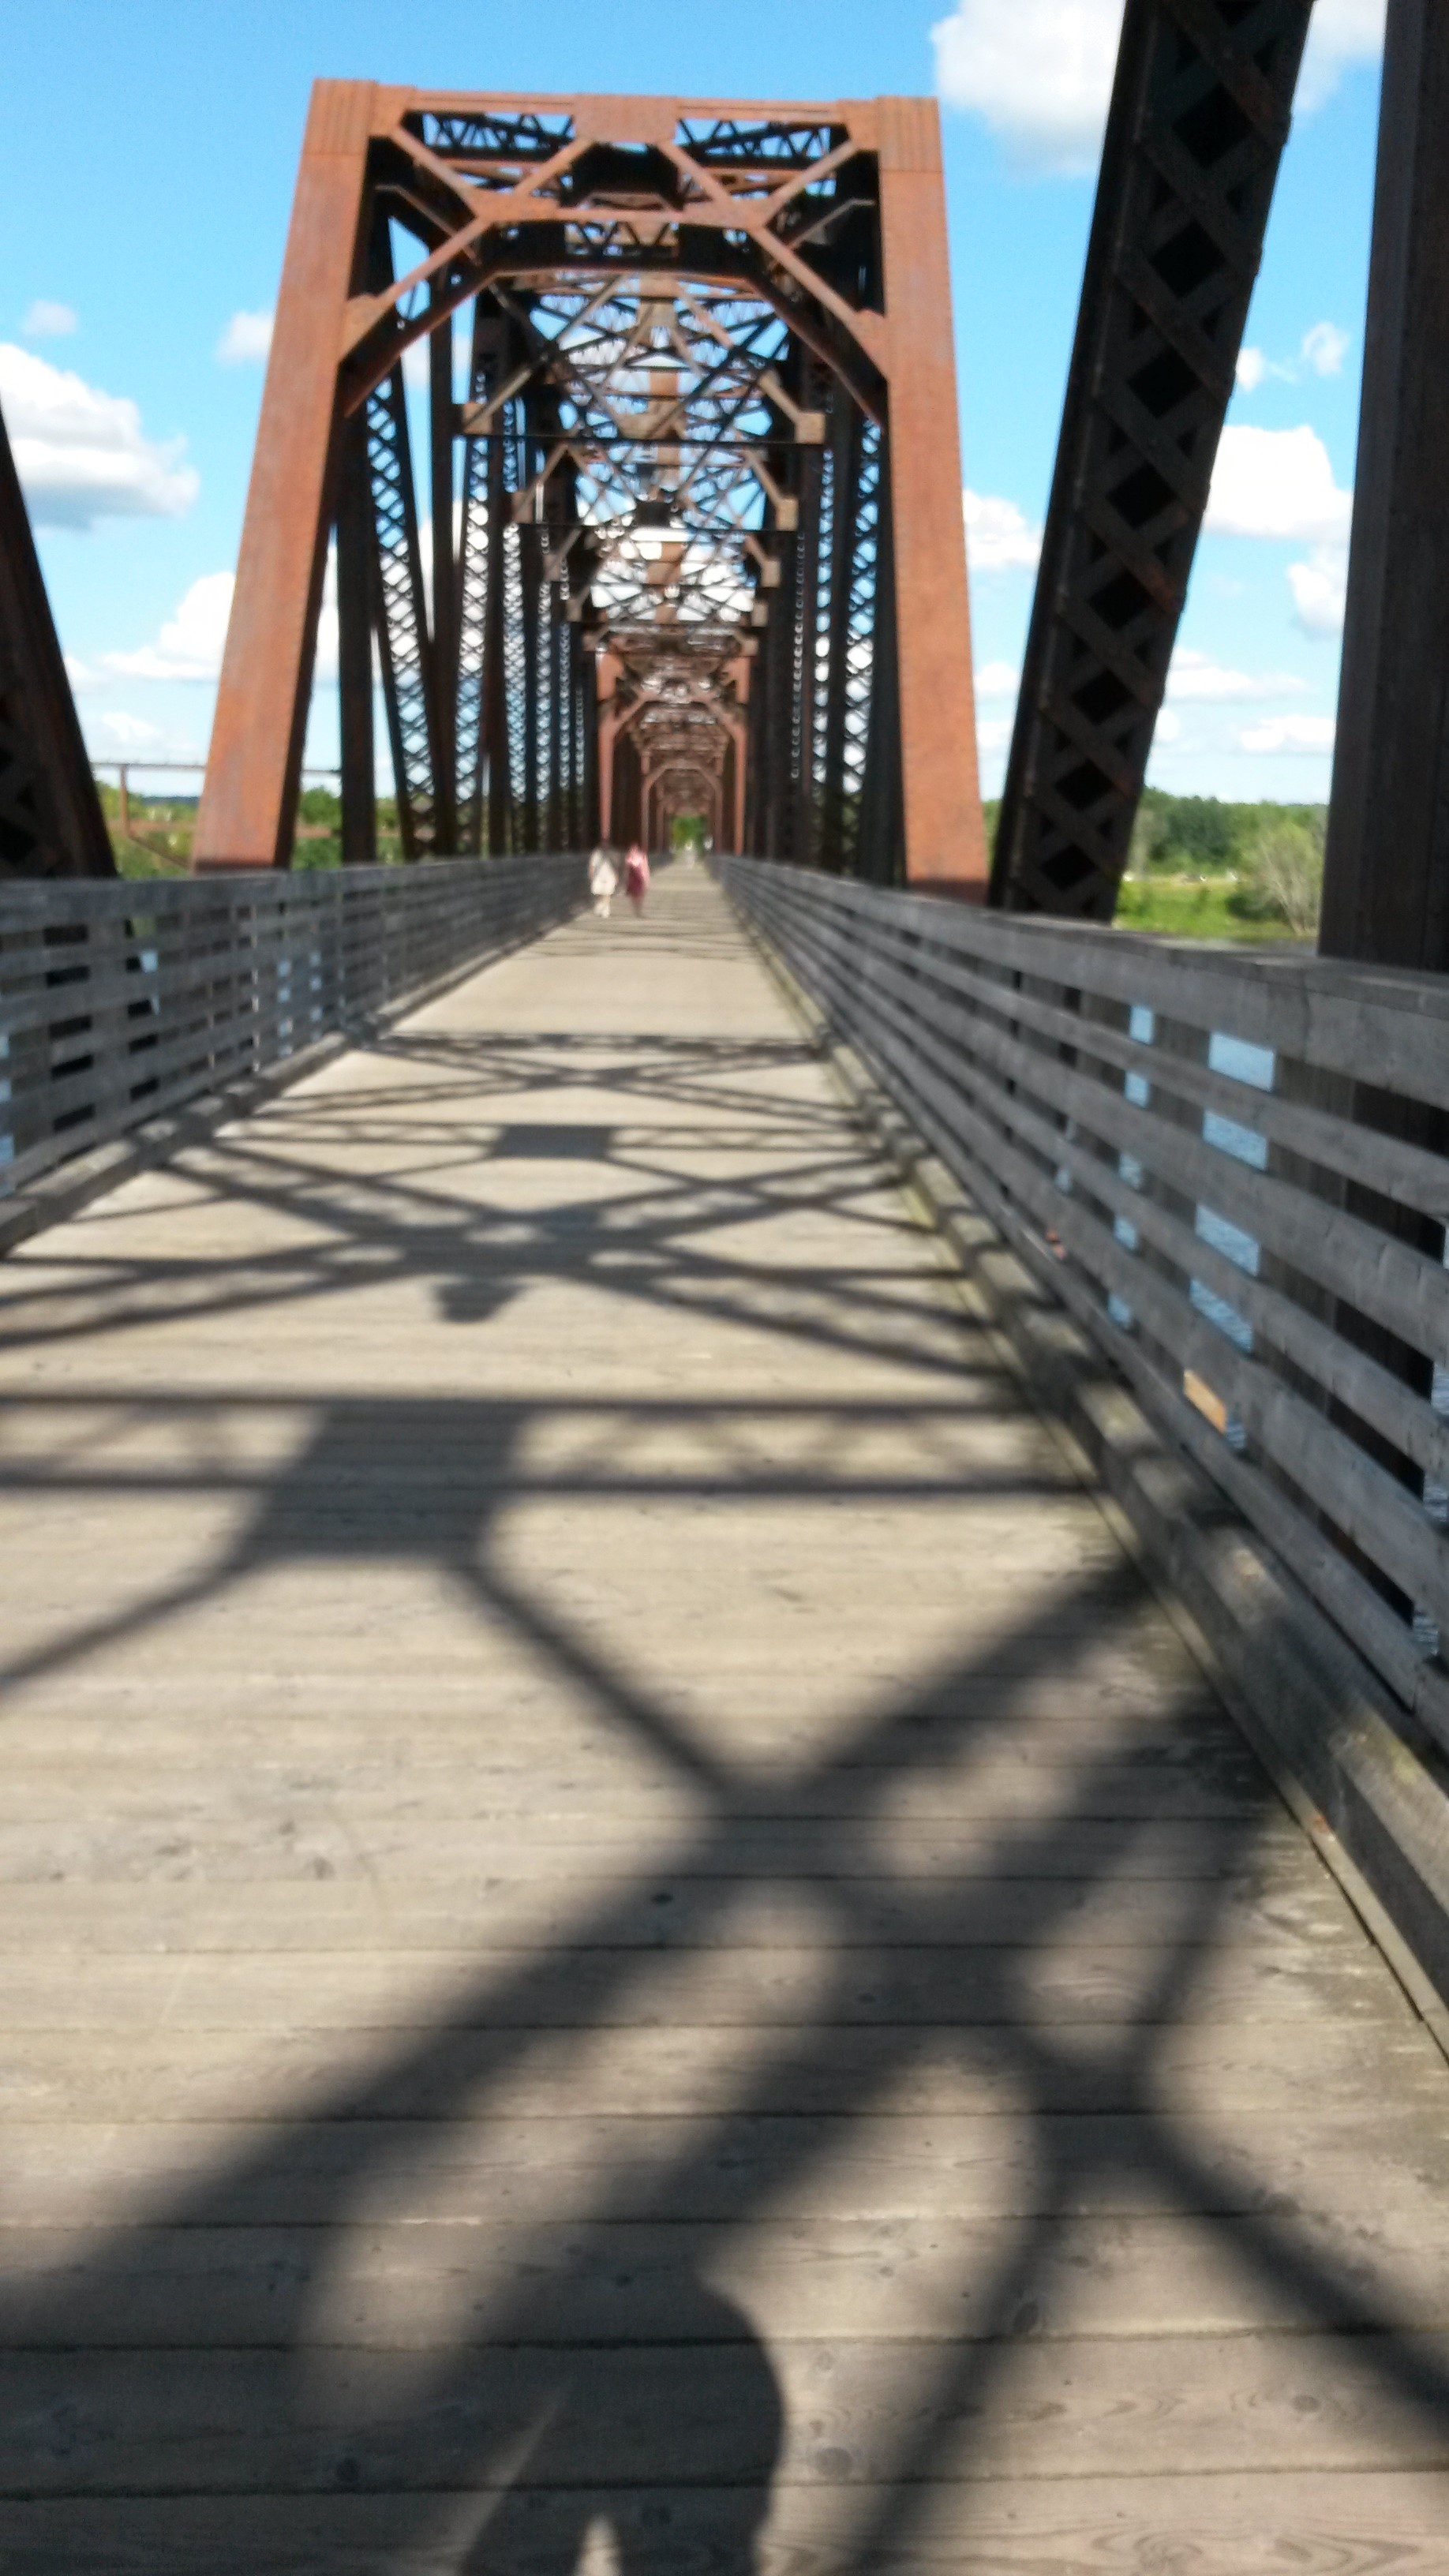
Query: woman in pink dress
point(636, 877)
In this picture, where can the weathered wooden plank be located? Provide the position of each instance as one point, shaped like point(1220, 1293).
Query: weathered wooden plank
point(826, 1841)
point(1217, 2067)
point(1027, 1808)
point(661, 1907)
point(343, 2286)
point(708, 2415)
point(1003, 2088)
point(500, 1990)
point(1338, 2523)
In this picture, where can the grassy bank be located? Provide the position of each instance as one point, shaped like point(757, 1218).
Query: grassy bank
point(1201, 867)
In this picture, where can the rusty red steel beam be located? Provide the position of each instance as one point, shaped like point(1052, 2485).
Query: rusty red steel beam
point(728, 180)
point(248, 803)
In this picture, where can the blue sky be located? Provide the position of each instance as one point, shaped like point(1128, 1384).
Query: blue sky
point(146, 184)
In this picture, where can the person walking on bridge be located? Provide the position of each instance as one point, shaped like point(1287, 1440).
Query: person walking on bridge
point(636, 876)
point(603, 880)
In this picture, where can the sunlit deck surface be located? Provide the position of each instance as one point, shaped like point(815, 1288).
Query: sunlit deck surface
point(630, 1945)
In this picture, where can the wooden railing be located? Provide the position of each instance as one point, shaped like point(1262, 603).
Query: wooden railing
point(1232, 1167)
point(122, 1001)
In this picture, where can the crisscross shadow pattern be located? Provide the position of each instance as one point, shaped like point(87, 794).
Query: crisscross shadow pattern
point(629, 1944)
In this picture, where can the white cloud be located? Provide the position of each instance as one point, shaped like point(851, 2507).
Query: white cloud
point(1039, 72)
point(118, 735)
point(1324, 349)
point(1276, 483)
point(130, 733)
point(81, 454)
point(1320, 588)
point(80, 674)
point(189, 646)
point(993, 734)
point(1194, 675)
point(46, 321)
point(1168, 727)
point(997, 680)
point(246, 339)
point(1289, 733)
point(1340, 34)
point(999, 537)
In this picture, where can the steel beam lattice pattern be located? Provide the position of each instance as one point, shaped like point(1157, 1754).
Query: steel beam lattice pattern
point(704, 337)
point(476, 550)
point(404, 644)
point(1199, 117)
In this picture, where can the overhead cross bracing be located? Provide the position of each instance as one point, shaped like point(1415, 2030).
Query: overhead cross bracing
point(694, 542)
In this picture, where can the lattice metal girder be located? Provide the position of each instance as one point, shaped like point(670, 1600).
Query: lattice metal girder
point(675, 296)
point(404, 645)
point(1198, 121)
point(51, 823)
point(474, 556)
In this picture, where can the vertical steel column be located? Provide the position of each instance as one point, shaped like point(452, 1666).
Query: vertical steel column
point(591, 791)
point(356, 583)
point(526, 788)
point(404, 646)
point(824, 550)
point(553, 832)
point(1386, 877)
point(495, 682)
point(249, 801)
point(945, 844)
point(846, 427)
point(1386, 882)
point(880, 837)
point(472, 647)
point(445, 628)
point(807, 784)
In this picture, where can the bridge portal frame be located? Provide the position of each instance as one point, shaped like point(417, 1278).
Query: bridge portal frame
point(342, 328)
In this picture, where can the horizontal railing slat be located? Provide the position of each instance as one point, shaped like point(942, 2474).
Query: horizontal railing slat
point(1012, 1044)
point(1390, 1281)
point(1395, 1169)
point(118, 1003)
point(1339, 1017)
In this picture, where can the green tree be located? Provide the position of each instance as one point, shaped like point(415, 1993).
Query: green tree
point(1285, 874)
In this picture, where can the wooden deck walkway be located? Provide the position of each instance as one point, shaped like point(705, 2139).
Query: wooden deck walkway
point(628, 1944)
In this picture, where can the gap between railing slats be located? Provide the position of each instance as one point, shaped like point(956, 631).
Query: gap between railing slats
point(1232, 1168)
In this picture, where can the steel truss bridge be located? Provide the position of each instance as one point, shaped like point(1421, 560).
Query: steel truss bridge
point(680, 560)
point(738, 1855)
